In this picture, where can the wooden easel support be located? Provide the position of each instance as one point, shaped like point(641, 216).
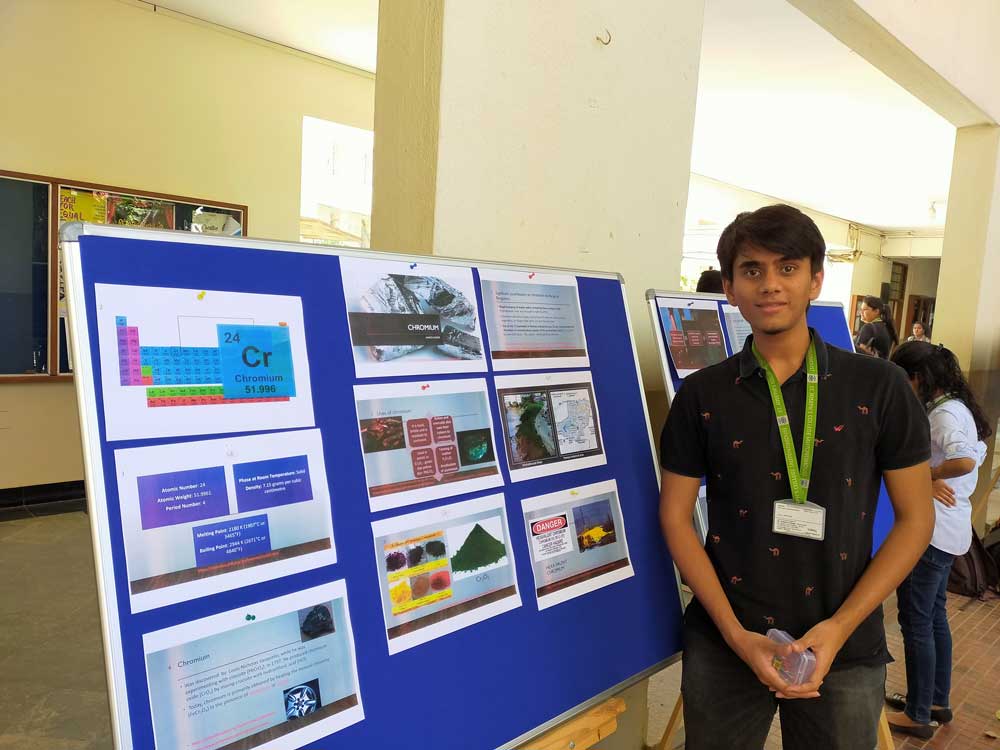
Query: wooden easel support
point(676, 719)
point(583, 731)
point(885, 741)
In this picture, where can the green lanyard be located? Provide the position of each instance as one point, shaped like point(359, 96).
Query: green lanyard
point(938, 402)
point(798, 477)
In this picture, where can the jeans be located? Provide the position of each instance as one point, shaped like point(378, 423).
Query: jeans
point(926, 635)
point(727, 708)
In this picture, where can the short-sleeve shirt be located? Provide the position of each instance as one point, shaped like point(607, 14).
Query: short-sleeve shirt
point(954, 435)
point(876, 336)
point(722, 427)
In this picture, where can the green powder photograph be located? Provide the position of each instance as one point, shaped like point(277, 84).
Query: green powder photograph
point(478, 547)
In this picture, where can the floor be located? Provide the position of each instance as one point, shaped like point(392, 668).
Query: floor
point(52, 684)
point(53, 690)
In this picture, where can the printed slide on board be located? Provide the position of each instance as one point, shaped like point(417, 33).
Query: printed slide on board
point(550, 423)
point(533, 320)
point(737, 326)
point(213, 515)
point(693, 332)
point(411, 318)
point(193, 362)
point(577, 541)
point(274, 676)
point(444, 569)
point(426, 440)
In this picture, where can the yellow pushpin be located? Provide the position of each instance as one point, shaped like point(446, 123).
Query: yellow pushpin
point(201, 295)
point(574, 492)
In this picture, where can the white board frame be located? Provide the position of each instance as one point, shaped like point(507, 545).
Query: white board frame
point(85, 384)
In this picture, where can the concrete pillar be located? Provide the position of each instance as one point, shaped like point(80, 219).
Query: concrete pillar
point(407, 104)
point(968, 306)
point(555, 133)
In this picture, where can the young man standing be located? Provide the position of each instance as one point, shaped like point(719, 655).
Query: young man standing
point(793, 437)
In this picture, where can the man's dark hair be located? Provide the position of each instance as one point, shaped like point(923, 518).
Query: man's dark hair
point(710, 281)
point(781, 229)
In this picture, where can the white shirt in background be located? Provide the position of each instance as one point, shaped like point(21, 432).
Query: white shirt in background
point(954, 435)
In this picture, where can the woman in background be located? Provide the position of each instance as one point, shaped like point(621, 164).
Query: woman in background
point(958, 428)
point(919, 333)
point(878, 334)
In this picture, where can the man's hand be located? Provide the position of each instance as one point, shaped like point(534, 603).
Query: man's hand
point(825, 638)
point(759, 653)
point(943, 493)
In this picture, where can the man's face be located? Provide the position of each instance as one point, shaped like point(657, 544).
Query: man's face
point(772, 291)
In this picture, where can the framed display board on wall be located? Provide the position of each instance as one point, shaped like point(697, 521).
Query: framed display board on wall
point(34, 343)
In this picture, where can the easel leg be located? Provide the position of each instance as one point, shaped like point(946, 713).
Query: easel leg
point(676, 719)
point(885, 741)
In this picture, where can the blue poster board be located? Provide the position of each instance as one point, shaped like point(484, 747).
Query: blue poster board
point(826, 317)
point(486, 685)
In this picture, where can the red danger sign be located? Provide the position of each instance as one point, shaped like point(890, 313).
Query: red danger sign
point(548, 524)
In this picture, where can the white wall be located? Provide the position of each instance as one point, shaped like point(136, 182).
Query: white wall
point(713, 204)
point(922, 277)
point(913, 246)
point(870, 271)
point(957, 39)
point(556, 149)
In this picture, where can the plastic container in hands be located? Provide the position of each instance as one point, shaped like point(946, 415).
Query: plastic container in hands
point(795, 669)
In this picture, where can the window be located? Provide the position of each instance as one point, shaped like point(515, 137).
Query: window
point(24, 276)
point(336, 199)
point(34, 340)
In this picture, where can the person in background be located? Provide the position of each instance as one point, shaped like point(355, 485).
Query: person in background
point(919, 333)
point(878, 334)
point(958, 428)
point(710, 281)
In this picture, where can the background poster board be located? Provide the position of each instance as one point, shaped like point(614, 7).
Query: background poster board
point(490, 679)
point(826, 317)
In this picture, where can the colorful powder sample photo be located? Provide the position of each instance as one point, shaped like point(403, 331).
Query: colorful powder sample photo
point(411, 318)
point(577, 540)
point(550, 423)
point(185, 361)
point(533, 320)
point(276, 675)
point(424, 441)
point(693, 333)
point(444, 569)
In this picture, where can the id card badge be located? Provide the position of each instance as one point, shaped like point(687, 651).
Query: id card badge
point(805, 520)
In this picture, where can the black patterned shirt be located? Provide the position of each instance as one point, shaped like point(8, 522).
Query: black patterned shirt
point(722, 426)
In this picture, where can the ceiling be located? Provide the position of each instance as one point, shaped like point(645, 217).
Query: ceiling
point(345, 31)
point(786, 110)
point(783, 108)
